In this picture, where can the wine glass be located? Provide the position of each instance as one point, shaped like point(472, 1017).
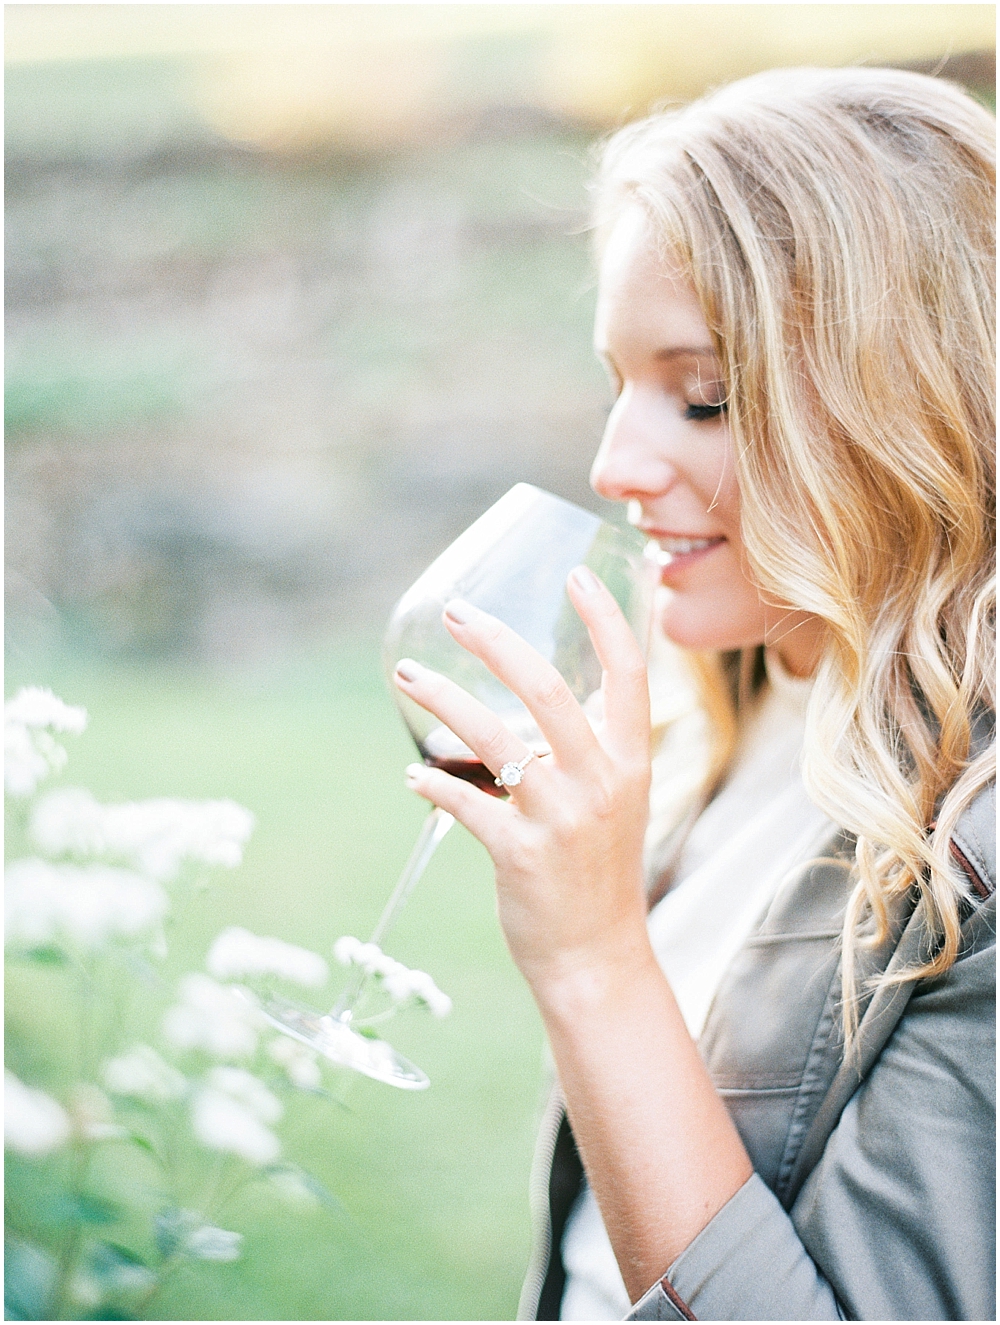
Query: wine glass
point(513, 563)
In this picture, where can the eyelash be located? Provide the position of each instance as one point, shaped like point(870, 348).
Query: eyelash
point(697, 413)
point(703, 412)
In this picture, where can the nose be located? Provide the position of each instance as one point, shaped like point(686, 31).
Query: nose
point(631, 463)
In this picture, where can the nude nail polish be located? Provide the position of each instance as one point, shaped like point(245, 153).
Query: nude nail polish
point(585, 579)
point(408, 669)
point(459, 611)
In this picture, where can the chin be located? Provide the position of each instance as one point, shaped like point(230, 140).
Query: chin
point(691, 626)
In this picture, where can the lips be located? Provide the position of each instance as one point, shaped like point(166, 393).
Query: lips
point(674, 546)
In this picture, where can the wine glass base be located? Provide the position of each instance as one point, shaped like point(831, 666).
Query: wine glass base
point(336, 1041)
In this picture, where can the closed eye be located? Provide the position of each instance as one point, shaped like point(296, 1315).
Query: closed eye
point(704, 411)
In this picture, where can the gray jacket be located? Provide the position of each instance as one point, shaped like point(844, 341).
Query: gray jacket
point(873, 1191)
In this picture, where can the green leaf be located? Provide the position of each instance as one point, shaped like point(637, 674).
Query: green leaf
point(119, 1270)
point(108, 1277)
point(324, 1195)
point(144, 1143)
point(96, 1210)
point(29, 1278)
point(311, 1185)
point(48, 956)
point(86, 1210)
point(121, 1255)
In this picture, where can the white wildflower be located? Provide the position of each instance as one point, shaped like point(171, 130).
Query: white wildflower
point(87, 904)
point(350, 951)
point(108, 1273)
point(398, 981)
point(348, 1049)
point(231, 1113)
point(236, 953)
point(35, 707)
point(143, 1075)
point(371, 957)
point(424, 990)
point(209, 1243)
point(299, 1062)
point(184, 1232)
point(92, 1114)
point(247, 1089)
point(217, 1018)
point(221, 1123)
point(69, 822)
point(293, 1187)
point(345, 948)
point(24, 764)
point(30, 753)
point(33, 1122)
point(86, 1290)
point(157, 836)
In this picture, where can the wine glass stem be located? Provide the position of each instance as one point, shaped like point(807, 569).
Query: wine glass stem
point(435, 826)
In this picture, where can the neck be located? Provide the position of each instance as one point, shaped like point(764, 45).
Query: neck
point(798, 640)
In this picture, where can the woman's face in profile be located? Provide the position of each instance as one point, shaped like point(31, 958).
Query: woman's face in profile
point(667, 452)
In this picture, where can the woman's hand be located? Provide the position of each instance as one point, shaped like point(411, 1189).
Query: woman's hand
point(568, 844)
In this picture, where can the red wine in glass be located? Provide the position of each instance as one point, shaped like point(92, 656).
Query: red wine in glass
point(441, 748)
point(469, 769)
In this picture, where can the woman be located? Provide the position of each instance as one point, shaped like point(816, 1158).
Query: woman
point(780, 1082)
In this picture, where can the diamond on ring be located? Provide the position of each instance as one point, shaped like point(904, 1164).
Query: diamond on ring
point(511, 774)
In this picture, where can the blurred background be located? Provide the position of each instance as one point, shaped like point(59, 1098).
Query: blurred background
point(294, 292)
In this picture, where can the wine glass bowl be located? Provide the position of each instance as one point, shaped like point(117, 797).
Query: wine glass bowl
point(513, 562)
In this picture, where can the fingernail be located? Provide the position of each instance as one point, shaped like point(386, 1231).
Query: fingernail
point(459, 611)
point(585, 579)
point(408, 669)
point(412, 772)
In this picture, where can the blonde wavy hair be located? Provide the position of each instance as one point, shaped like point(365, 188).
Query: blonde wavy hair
point(838, 227)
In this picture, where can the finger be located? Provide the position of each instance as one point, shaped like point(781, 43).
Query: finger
point(470, 720)
point(626, 684)
point(484, 816)
point(526, 673)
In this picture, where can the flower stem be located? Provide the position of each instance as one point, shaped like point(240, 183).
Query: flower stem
point(71, 1247)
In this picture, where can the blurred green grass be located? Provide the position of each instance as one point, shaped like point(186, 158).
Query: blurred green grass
point(434, 1185)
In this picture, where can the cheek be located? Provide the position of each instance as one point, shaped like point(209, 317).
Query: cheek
point(723, 495)
point(718, 608)
point(707, 469)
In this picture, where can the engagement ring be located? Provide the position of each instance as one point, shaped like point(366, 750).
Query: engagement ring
point(511, 774)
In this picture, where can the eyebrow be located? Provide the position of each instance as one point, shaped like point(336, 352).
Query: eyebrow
point(676, 352)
